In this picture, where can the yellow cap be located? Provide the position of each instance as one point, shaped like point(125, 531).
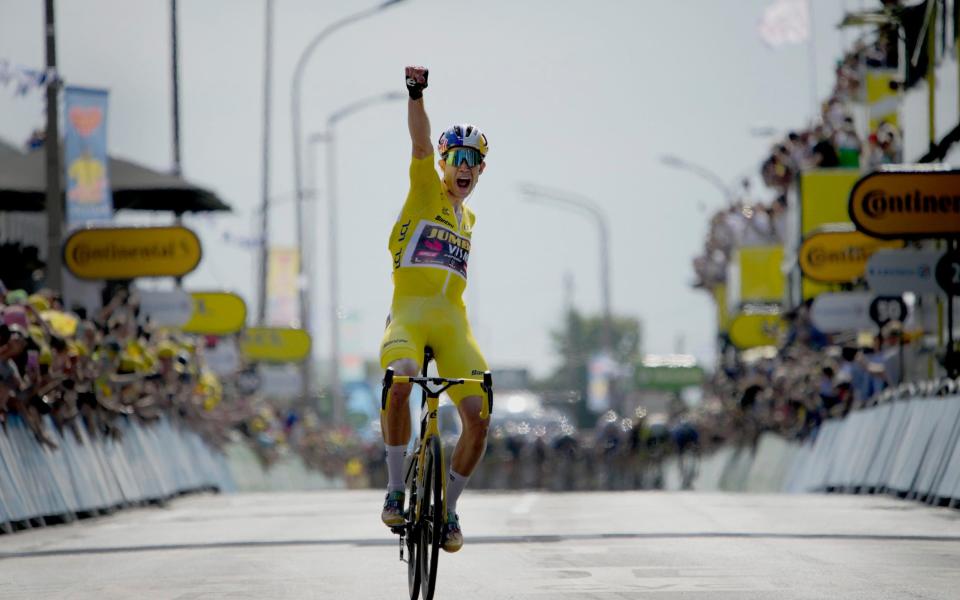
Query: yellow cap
point(38, 302)
point(65, 325)
point(37, 333)
point(130, 363)
point(166, 349)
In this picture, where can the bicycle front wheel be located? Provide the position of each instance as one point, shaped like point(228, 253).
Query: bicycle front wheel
point(413, 531)
point(431, 517)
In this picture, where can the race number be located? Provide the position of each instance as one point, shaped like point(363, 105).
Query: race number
point(884, 309)
point(948, 273)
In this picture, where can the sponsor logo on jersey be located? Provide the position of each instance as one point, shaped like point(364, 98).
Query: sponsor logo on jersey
point(435, 246)
point(444, 221)
point(403, 231)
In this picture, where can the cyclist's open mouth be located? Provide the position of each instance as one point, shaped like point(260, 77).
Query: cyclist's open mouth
point(464, 183)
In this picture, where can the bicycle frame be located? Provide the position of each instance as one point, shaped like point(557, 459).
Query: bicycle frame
point(429, 423)
point(422, 571)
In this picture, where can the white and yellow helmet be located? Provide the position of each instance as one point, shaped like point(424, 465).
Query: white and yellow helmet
point(463, 135)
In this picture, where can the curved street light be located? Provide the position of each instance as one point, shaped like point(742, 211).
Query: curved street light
point(585, 206)
point(329, 137)
point(295, 93)
point(702, 172)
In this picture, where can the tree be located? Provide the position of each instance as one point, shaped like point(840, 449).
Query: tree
point(577, 340)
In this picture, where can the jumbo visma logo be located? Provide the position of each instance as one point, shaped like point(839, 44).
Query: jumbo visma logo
point(839, 256)
point(909, 204)
point(436, 246)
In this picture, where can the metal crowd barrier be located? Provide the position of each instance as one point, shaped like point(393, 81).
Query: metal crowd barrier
point(86, 475)
point(907, 444)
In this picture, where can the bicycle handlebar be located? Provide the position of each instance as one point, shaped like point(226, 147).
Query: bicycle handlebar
point(434, 380)
point(486, 384)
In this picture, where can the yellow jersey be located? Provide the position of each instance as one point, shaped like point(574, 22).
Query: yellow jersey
point(430, 247)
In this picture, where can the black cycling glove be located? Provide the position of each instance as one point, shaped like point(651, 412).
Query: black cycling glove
point(416, 82)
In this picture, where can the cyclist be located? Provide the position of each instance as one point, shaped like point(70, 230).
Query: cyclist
point(430, 246)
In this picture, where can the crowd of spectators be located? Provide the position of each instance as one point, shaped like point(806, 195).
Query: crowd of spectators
point(810, 377)
point(94, 370)
point(89, 370)
point(832, 141)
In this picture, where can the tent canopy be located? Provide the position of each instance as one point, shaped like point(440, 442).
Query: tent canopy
point(135, 187)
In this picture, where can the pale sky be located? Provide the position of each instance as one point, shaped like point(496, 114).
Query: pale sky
point(580, 96)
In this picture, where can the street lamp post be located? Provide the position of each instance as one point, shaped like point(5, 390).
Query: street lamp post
point(535, 193)
point(704, 173)
point(53, 173)
point(329, 137)
point(264, 265)
point(295, 92)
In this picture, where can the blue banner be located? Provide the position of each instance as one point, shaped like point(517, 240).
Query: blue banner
point(85, 138)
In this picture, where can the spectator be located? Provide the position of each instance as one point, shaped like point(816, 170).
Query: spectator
point(824, 154)
point(848, 144)
point(886, 146)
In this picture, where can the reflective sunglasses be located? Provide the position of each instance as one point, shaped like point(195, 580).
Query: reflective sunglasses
point(455, 156)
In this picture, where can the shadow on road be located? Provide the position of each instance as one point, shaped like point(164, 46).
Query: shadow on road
point(505, 539)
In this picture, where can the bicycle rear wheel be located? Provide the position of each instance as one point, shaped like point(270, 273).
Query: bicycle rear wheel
point(413, 531)
point(431, 518)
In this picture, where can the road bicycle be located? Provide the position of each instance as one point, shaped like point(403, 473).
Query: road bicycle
point(426, 498)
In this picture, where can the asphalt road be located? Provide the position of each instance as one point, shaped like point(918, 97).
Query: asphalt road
point(628, 545)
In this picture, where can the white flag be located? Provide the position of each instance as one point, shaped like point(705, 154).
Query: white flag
point(785, 22)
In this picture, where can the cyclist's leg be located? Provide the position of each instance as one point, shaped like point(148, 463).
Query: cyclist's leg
point(473, 440)
point(458, 355)
point(395, 421)
point(401, 348)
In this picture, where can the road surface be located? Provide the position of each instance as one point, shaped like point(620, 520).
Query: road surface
point(618, 545)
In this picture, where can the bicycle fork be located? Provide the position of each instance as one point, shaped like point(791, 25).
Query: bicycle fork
point(402, 530)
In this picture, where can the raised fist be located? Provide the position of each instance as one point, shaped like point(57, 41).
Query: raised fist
point(416, 81)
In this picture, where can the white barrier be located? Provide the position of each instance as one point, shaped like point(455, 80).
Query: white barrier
point(909, 447)
point(86, 474)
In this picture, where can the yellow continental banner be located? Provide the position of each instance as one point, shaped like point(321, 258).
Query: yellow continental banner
point(216, 313)
point(275, 344)
point(811, 289)
point(760, 277)
point(912, 204)
point(883, 99)
point(839, 256)
point(129, 252)
point(723, 316)
point(823, 197)
point(755, 330)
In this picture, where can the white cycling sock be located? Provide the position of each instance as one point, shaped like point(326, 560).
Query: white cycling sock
point(455, 484)
point(395, 456)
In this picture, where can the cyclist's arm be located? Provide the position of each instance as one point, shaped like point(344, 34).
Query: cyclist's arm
point(419, 125)
point(417, 121)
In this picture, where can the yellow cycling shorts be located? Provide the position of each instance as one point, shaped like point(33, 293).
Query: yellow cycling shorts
point(435, 321)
